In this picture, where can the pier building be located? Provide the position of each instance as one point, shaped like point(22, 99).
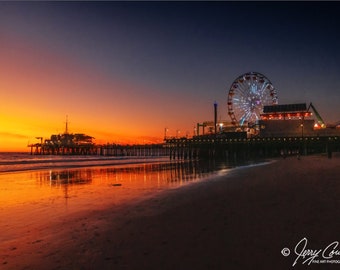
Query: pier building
point(64, 144)
point(82, 144)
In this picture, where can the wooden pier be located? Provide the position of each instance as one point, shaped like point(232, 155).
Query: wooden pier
point(82, 144)
point(43, 149)
point(250, 148)
point(230, 145)
point(138, 150)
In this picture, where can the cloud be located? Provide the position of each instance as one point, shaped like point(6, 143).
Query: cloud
point(13, 135)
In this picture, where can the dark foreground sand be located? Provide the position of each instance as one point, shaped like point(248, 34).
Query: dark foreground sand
point(237, 221)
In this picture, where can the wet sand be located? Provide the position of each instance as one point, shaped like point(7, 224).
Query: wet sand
point(240, 220)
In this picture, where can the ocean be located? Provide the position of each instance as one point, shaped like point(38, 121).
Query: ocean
point(15, 162)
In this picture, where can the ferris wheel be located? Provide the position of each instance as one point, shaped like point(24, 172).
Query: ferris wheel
point(247, 96)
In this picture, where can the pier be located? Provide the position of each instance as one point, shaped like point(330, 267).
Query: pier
point(238, 146)
point(280, 130)
point(82, 144)
point(137, 150)
point(203, 147)
point(64, 144)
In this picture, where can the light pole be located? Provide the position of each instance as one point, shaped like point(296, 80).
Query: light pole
point(215, 117)
point(221, 127)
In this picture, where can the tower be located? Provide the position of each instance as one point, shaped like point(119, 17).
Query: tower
point(215, 116)
point(66, 125)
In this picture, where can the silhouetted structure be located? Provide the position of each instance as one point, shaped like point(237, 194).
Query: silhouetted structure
point(65, 144)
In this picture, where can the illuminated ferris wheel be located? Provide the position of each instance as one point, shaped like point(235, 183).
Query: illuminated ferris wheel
point(247, 96)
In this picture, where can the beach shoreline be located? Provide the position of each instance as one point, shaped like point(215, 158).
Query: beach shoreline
point(242, 219)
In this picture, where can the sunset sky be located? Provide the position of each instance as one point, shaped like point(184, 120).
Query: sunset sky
point(123, 71)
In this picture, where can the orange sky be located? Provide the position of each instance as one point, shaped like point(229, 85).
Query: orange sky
point(39, 87)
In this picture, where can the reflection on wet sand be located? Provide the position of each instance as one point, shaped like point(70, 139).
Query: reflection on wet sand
point(90, 183)
point(173, 173)
point(70, 177)
point(36, 198)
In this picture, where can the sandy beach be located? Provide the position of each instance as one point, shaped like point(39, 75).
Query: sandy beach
point(242, 219)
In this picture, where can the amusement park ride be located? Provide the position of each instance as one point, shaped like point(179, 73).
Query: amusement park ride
point(247, 96)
